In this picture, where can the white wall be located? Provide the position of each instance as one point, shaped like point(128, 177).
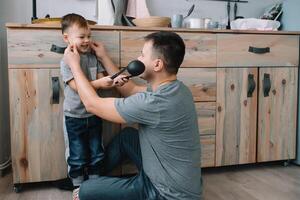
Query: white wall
point(212, 9)
point(291, 18)
point(58, 8)
point(10, 11)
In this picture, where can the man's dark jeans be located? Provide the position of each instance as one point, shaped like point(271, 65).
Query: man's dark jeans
point(85, 144)
point(125, 145)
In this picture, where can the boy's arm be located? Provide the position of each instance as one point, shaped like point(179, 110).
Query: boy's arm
point(96, 84)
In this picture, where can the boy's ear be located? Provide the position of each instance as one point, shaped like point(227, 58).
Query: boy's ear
point(65, 37)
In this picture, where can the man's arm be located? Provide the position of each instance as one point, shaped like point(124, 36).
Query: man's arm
point(130, 87)
point(102, 107)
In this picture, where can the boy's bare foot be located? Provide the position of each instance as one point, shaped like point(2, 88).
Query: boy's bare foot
point(76, 194)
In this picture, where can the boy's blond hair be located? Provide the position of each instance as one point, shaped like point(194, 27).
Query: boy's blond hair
point(71, 19)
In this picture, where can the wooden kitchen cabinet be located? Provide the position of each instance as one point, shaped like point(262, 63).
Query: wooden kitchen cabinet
point(261, 127)
point(36, 98)
point(228, 73)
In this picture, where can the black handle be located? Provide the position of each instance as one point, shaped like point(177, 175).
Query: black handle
point(55, 90)
point(117, 74)
point(258, 50)
point(251, 85)
point(58, 49)
point(266, 85)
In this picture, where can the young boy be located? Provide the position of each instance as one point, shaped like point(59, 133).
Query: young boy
point(83, 128)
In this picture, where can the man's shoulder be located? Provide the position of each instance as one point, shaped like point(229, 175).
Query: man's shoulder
point(143, 97)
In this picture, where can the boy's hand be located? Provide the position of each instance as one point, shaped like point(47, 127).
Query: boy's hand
point(106, 82)
point(99, 49)
point(121, 80)
point(71, 56)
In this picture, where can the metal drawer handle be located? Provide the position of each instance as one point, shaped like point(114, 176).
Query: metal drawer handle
point(251, 85)
point(258, 50)
point(266, 85)
point(58, 49)
point(55, 90)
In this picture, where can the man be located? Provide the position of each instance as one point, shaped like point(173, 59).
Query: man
point(166, 148)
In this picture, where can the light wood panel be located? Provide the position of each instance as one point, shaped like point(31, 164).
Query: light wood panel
point(233, 51)
point(36, 126)
point(278, 115)
point(236, 117)
point(206, 112)
point(200, 48)
point(208, 150)
point(202, 82)
point(27, 48)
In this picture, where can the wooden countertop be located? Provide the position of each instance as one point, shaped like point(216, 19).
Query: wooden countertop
point(128, 28)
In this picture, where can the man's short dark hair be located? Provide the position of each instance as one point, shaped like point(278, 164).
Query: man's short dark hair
point(170, 47)
point(71, 19)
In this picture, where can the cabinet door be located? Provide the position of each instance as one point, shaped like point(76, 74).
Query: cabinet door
point(236, 116)
point(37, 141)
point(277, 114)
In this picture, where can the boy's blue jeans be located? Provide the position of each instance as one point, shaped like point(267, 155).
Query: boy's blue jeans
point(125, 145)
point(85, 145)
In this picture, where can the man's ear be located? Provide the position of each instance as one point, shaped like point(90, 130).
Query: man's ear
point(65, 37)
point(159, 65)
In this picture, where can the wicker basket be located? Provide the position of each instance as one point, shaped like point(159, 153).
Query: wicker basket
point(54, 21)
point(153, 21)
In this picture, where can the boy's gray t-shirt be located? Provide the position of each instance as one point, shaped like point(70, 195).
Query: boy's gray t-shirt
point(73, 106)
point(169, 138)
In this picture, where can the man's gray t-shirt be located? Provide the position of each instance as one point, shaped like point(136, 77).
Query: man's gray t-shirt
point(169, 138)
point(73, 106)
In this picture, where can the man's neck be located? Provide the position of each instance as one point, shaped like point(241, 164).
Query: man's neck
point(162, 81)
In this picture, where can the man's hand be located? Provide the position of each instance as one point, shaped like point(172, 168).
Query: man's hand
point(71, 56)
point(99, 50)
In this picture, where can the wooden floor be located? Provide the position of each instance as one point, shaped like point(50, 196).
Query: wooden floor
point(263, 182)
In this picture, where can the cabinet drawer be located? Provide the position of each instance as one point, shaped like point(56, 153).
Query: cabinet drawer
point(208, 145)
point(200, 48)
point(257, 50)
point(202, 82)
point(31, 49)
